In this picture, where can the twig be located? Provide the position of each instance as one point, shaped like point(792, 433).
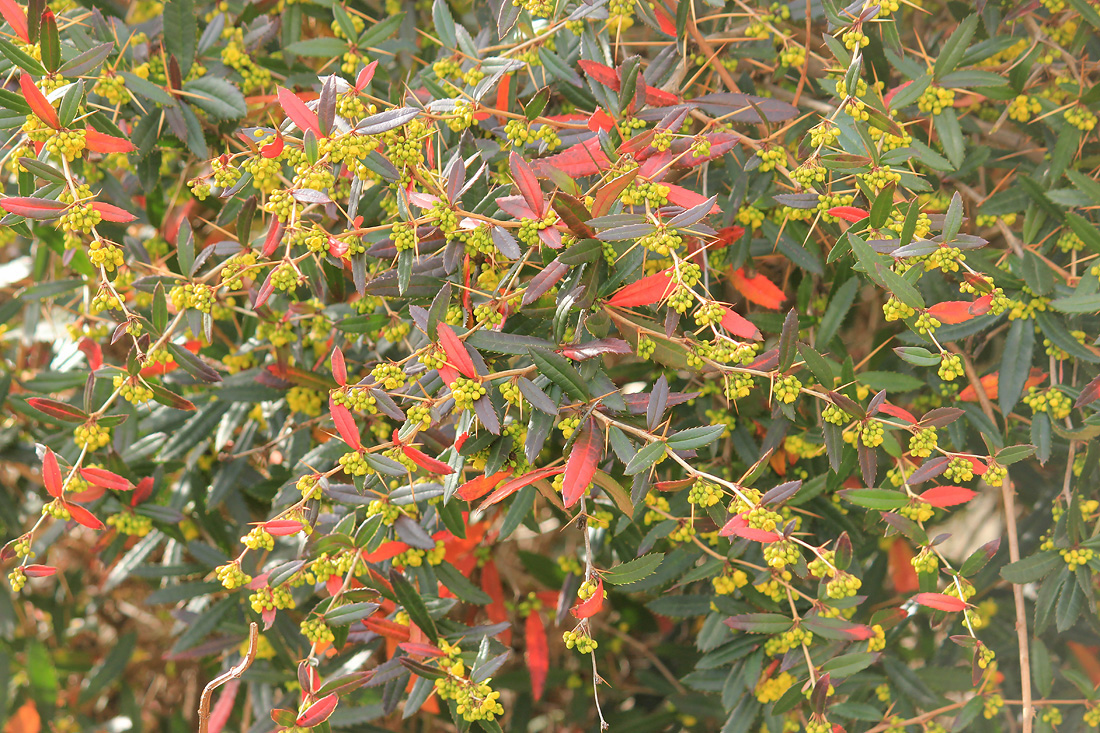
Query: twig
point(1008, 496)
point(232, 674)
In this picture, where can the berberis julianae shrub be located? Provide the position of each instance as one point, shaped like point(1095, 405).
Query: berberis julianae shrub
point(543, 365)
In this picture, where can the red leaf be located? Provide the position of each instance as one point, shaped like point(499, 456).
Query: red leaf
point(890, 94)
point(385, 551)
point(143, 491)
point(740, 326)
point(687, 198)
point(981, 306)
point(17, 19)
point(758, 289)
point(901, 568)
point(33, 208)
point(92, 352)
point(945, 496)
point(100, 143)
point(339, 368)
point(39, 571)
point(83, 516)
point(655, 97)
point(106, 479)
point(592, 349)
point(268, 616)
point(38, 103)
point(60, 410)
point(51, 474)
point(991, 382)
point(1089, 394)
point(665, 22)
point(518, 483)
point(952, 311)
point(274, 148)
point(387, 628)
point(427, 462)
point(282, 527)
point(456, 351)
point(582, 159)
point(739, 526)
point(609, 192)
point(421, 650)
point(528, 185)
point(365, 75)
point(319, 711)
point(298, 112)
point(92, 493)
point(538, 653)
point(647, 291)
point(490, 583)
point(898, 412)
point(592, 606)
point(600, 120)
point(848, 213)
point(581, 466)
point(603, 74)
point(109, 212)
point(345, 424)
point(940, 602)
point(478, 487)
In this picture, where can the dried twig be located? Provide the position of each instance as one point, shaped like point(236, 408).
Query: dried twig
point(232, 673)
point(1008, 495)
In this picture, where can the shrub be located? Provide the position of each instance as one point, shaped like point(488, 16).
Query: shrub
point(551, 365)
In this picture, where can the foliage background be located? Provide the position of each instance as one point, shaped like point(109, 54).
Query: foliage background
point(723, 284)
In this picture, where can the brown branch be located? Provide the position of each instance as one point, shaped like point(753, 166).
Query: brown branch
point(1008, 496)
point(232, 674)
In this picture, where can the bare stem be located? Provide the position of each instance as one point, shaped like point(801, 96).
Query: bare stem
point(233, 673)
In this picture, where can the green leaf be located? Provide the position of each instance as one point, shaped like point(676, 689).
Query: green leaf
point(1084, 229)
point(955, 47)
point(148, 89)
point(1055, 330)
point(559, 371)
point(951, 137)
point(635, 570)
point(645, 458)
point(880, 499)
point(1014, 454)
point(817, 365)
point(49, 42)
point(979, 558)
point(694, 438)
point(1071, 601)
point(349, 613)
point(1087, 12)
point(1078, 303)
point(902, 289)
point(847, 665)
point(444, 24)
point(319, 47)
point(1015, 363)
point(218, 97)
point(111, 668)
point(41, 672)
point(20, 58)
point(458, 584)
point(1085, 185)
point(1031, 569)
point(381, 31)
point(839, 305)
point(181, 32)
point(760, 623)
point(408, 597)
